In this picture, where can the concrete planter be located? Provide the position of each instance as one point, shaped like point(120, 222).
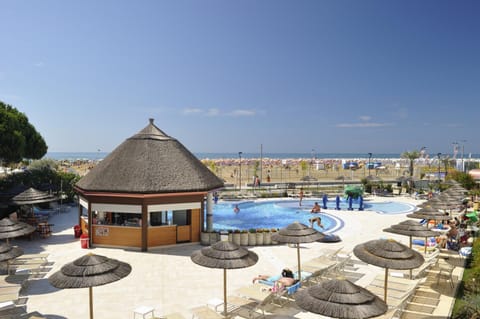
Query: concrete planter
point(236, 238)
point(243, 239)
point(260, 238)
point(252, 239)
point(267, 238)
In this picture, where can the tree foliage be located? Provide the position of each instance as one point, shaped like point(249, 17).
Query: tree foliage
point(466, 180)
point(411, 156)
point(18, 138)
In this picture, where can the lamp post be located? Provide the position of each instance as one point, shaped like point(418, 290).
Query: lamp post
point(438, 154)
point(463, 149)
point(369, 159)
point(240, 171)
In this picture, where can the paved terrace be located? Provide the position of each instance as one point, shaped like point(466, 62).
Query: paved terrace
point(169, 281)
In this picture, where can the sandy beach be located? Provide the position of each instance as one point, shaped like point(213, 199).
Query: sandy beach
point(166, 278)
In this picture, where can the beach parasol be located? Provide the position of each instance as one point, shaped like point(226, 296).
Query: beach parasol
point(89, 271)
point(388, 253)
point(412, 228)
point(8, 252)
point(297, 233)
point(224, 255)
point(32, 196)
point(340, 298)
point(428, 213)
point(11, 229)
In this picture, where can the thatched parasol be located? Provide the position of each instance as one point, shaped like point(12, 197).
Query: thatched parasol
point(224, 255)
point(89, 271)
point(388, 253)
point(340, 298)
point(8, 252)
point(11, 229)
point(411, 228)
point(32, 196)
point(428, 213)
point(297, 233)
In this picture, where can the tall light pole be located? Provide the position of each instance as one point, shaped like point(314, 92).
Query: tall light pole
point(438, 154)
point(369, 165)
point(240, 171)
point(463, 149)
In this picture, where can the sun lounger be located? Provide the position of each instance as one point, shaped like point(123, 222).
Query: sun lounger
point(260, 294)
point(205, 312)
point(399, 290)
point(43, 257)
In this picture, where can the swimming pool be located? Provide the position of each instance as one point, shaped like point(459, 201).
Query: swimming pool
point(280, 213)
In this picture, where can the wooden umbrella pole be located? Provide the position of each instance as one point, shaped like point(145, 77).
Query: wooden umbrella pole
point(298, 259)
point(225, 292)
point(90, 295)
point(386, 285)
point(425, 245)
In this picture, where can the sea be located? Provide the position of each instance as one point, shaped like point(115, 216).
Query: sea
point(72, 156)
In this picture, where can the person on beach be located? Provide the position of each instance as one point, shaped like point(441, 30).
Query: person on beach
point(316, 208)
point(286, 280)
point(300, 196)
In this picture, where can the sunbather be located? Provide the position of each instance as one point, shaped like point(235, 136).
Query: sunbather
point(286, 273)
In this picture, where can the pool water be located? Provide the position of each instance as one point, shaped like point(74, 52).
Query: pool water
point(280, 213)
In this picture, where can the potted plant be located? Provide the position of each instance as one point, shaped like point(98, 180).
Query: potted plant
point(252, 237)
point(236, 237)
point(244, 238)
point(259, 237)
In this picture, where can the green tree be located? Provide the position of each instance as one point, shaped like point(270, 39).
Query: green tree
point(466, 180)
point(18, 138)
point(411, 156)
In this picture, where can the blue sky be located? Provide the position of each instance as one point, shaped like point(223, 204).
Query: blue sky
point(227, 76)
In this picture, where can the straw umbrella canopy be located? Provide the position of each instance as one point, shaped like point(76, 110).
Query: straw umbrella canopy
point(224, 255)
point(340, 298)
point(32, 196)
point(428, 213)
point(297, 233)
point(388, 253)
point(89, 271)
point(412, 228)
point(8, 252)
point(11, 229)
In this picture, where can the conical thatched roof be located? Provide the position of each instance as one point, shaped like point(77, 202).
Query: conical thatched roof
point(32, 196)
point(224, 255)
point(411, 228)
point(388, 253)
point(340, 299)
point(297, 233)
point(12, 229)
point(89, 271)
point(8, 252)
point(150, 162)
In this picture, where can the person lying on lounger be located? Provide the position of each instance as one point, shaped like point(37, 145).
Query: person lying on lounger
point(286, 273)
